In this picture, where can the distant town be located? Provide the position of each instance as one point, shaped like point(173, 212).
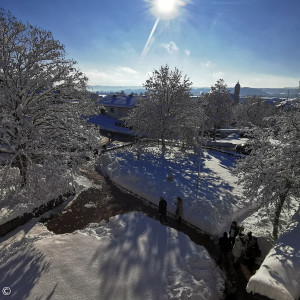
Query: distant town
point(287, 92)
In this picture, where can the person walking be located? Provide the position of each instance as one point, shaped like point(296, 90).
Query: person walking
point(226, 248)
point(252, 252)
point(239, 247)
point(162, 210)
point(233, 232)
point(179, 210)
point(109, 136)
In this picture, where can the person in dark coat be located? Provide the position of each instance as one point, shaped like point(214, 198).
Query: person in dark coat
point(233, 232)
point(179, 210)
point(225, 243)
point(252, 252)
point(226, 251)
point(109, 136)
point(162, 210)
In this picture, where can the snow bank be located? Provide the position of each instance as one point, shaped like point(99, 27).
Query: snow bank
point(130, 257)
point(279, 276)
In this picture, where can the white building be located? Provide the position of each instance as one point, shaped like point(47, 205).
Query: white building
point(118, 106)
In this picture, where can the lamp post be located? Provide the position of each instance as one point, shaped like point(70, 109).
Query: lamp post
point(200, 155)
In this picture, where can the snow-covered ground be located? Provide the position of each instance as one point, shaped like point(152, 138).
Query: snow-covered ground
point(219, 202)
point(122, 258)
point(219, 199)
point(279, 275)
point(130, 257)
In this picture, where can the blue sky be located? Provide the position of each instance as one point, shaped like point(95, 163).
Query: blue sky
point(256, 41)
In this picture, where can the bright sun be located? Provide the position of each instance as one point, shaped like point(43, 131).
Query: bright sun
point(166, 9)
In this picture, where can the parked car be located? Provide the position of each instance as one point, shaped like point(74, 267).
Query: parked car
point(243, 149)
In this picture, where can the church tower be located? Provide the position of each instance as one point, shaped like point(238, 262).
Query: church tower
point(237, 89)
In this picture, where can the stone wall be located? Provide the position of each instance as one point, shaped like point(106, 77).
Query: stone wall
point(18, 221)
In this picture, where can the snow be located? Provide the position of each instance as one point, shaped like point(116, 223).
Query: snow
point(219, 199)
point(136, 257)
point(279, 275)
point(130, 257)
point(219, 202)
point(10, 210)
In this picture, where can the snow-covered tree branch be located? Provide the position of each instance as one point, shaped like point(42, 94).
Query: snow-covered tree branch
point(253, 111)
point(42, 100)
point(271, 174)
point(218, 106)
point(167, 111)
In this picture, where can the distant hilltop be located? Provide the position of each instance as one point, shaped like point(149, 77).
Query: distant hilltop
point(117, 89)
point(245, 91)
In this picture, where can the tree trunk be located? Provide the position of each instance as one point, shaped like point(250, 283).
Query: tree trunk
point(163, 142)
point(214, 133)
point(163, 147)
point(183, 147)
point(22, 165)
point(282, 198)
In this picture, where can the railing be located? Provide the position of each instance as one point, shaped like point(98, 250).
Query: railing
point(169, 143)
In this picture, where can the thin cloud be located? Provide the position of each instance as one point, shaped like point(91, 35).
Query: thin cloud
point(218, 75)
point(113, 76)
point(170, 47)
point(187, 52)
point(207, 65)
point(95, 77)
point(127, 70)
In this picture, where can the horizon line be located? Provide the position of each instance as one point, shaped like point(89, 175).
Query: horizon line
point(193, 87)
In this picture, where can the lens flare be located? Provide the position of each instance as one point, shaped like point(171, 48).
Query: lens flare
point(163, 10)
point(146, 48)
point(166, 9)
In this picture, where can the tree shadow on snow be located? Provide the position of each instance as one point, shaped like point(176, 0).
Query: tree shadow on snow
point(151, 173)
point(21, 271)
point(139, 260)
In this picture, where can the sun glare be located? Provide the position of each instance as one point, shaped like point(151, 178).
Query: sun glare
point(166, 9)
point(162, 10)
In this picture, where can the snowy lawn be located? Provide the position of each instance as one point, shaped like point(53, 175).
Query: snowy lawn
point(131, 257)
point(219, 198)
